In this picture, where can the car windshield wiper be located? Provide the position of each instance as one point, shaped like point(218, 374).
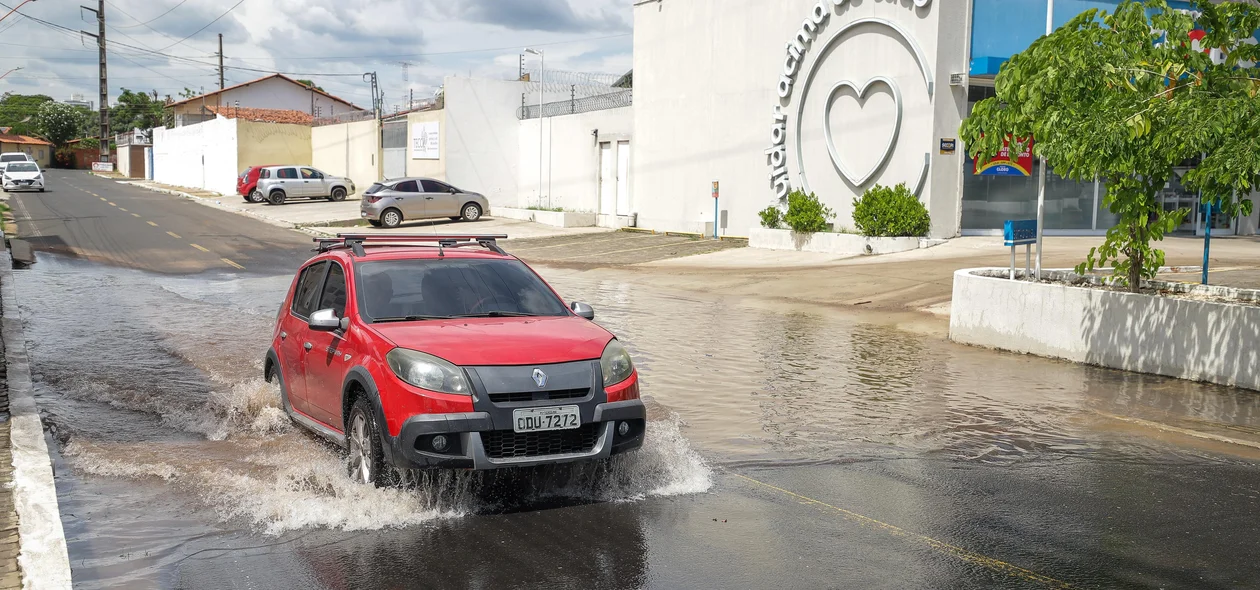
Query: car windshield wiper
point(498, 314)
point(411, 318)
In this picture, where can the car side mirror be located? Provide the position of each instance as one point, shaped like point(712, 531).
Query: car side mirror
point(325, 320)
point(583, 310)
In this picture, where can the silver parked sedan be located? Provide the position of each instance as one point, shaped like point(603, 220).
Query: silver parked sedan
point(390, 202)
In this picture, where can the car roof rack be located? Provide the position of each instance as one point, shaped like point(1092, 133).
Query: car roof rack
point(355, 242)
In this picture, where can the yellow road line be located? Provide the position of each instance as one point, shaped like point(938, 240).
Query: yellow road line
point(135, 215)
point(232, 263)
point(151, 223)
point(111, 204)
point(95, 195)
point(173, 234)
point(896, 531)
point(199, 248)
point(102, 198)
point(121, 209)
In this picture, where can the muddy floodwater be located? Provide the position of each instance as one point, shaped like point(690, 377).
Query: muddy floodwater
point(174, 460)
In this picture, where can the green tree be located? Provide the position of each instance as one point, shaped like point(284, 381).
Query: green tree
point(136, 110)
point(59, 122)
point(18, 111)
point(310, 84)
point(1122, 97)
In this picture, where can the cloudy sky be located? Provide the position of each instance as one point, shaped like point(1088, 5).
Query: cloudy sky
point(169, 45)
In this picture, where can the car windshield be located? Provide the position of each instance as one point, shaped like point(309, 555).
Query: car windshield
point(13, 158)
point(399, 290)
point(22, 167)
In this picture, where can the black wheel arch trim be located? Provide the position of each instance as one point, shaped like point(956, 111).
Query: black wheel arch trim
point(358, 375)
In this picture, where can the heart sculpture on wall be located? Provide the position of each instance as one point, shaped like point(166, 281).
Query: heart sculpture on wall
point(860, 178)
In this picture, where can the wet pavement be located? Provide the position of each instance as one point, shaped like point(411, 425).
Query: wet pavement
point(790, 446)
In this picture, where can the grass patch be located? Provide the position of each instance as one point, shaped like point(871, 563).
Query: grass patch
point(551, 209)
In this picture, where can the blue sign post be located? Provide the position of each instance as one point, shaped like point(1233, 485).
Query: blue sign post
point(1207, 237)
point(1020, 233)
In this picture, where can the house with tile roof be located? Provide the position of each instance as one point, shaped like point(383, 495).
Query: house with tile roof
point(38, 149)
point(273, 92)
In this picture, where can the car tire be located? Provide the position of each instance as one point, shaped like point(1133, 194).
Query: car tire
point(41, 190)
point(374, 223)
point(255, 196)
point(365, 458)
point(391, 218)
point(276, 198)
point(338, 194)
point(471, 212)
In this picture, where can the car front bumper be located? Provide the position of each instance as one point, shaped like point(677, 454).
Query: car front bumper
point(473, 442)
point(12, 186)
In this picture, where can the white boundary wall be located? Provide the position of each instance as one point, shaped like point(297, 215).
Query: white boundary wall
point(479, 138)
point(1173, 336)
point(197, 156)
point(571, 157)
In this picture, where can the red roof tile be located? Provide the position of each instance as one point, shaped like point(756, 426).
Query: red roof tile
point(263, 115)
point(23, 139)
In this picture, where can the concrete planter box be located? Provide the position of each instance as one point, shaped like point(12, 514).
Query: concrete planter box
point(827, 243)
point(1198, 339)
point(552, 218)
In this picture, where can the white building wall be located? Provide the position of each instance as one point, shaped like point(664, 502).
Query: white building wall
point(706, 78)
point(480, 137)
point(570, 148)
point(277, 93)
point(197, 156)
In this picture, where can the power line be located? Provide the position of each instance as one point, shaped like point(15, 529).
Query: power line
point(436, 53)
point(216, 19)
point(146, 23)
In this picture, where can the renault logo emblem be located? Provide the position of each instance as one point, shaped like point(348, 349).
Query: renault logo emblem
point(540, 378)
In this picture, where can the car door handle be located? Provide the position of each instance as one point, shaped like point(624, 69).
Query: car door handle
point(307, 346)
point(428, 198)
point(284, 335)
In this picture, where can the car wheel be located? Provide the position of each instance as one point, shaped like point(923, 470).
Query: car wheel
point(391, 218)
point(366, 462)
point(472, 212)
point(255, 196)
point(276, 198)
point(374, 223)
point(338, 194)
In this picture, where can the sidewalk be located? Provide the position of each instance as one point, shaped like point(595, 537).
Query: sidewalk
point(327, 218)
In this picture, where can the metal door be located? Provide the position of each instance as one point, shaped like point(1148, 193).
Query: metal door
point(623, 178)
point(607, 180)
point(394, 149)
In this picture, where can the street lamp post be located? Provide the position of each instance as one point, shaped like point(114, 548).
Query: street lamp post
point(11, 71)
point(542, 90)
point(15, 8)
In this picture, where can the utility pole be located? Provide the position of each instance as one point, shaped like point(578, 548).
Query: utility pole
point(100, 43)
point(220, 61)
point(377, 100)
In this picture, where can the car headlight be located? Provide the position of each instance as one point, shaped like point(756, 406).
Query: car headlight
point(615, 363)
point(427, 371)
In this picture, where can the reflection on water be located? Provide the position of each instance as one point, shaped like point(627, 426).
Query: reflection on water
point(150, 383)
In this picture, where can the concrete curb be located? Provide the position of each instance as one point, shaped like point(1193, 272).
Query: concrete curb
point(216, 204)
point(43, 556)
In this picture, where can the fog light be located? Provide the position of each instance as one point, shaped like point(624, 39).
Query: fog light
point(623, 428)
point(440, 443)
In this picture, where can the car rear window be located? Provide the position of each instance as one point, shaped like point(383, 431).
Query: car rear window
point(375, 188)
point(452, 288)
point(245, 174)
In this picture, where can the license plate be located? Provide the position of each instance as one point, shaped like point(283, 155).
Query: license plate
point(542, 419)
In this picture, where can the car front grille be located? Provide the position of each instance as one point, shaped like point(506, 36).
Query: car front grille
point(525, 396)
point(507, 444)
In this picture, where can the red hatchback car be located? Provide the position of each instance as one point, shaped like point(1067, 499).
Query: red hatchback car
point(247, 183)
point(453, 354)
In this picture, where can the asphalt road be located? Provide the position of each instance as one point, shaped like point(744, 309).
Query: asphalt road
point(1099, 516)
point(98, 219)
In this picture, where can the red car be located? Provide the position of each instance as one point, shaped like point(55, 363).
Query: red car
point(453, 354)
point(247, 183)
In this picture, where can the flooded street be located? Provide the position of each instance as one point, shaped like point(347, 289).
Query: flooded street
point(176, 463)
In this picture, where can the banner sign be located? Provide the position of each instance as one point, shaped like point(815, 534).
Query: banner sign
point(424, 141)
point(102, 166)
point(1014, 159)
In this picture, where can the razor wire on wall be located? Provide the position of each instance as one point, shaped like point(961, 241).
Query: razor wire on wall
point(611, 100)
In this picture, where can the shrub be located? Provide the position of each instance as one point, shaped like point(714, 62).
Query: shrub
point(806, 214)
point(771, 217)
point(890, 212)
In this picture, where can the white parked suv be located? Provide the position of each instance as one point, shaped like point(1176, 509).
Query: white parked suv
point(280, 183)
point(22, 176)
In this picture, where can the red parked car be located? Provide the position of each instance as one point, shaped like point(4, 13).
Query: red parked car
point(453, 354)
point(247, 183)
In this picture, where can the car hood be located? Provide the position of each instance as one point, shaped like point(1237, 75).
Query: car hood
point(501, 341)
point(22, 175)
